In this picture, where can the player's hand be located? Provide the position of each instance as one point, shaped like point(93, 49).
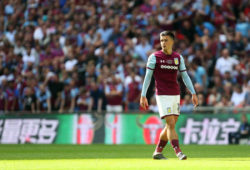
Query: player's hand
point(144, 102)
point(194, 100)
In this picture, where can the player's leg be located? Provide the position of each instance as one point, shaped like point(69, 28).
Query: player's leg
point(161, 144)
point(164, 104)
point(163, 137)
point(176, 118)
point(170, 126)
point(162, 141)
point(172, 135)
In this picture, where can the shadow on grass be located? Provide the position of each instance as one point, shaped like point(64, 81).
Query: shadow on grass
point(45, 152)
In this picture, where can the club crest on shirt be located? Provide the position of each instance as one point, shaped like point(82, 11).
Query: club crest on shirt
point(176, 61)
point(169, 109)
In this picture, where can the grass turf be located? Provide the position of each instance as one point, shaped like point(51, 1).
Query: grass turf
point(76, 157)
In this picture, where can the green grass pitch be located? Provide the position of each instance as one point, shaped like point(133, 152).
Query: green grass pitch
point(78, 157)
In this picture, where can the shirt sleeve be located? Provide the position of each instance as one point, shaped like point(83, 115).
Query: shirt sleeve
point(151, 62)
point(149, 72)
point(182, 66)
point(187, 81)
point(146, 82)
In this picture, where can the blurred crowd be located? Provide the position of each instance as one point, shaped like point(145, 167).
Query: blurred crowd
point(82, 55)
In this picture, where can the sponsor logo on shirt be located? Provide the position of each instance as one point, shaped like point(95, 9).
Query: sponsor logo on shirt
point(169, 61)
point(169, 67)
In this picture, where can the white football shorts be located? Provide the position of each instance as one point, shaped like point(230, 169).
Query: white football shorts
point(168, 105)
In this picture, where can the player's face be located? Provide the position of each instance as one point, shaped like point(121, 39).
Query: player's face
point(166, 42)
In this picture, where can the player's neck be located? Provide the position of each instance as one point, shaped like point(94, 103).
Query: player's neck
point(168, 51)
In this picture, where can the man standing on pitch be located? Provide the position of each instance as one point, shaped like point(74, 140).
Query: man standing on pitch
point(164, 65)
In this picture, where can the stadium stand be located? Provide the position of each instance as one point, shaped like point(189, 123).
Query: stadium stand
point(67, 55)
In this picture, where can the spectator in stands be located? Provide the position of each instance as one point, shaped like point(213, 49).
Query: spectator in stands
point(18, 48)
point(29, 100)
point(214, 97)
point(227, 90)
point(187, 106)
point(10, 33)
point(153, 105)
point(188, 30)
point(28, 58)
point(243, 132)
point(218, 84)
point(199, 88)
point(81, 67)
point(143, 48)
point(247, 97)
point(113, 93)
point(201, 99)
point(2, 100)
point(200, 75)
point(225, 63)
point(69, 97)
point(242, 25)
point(238, 96)
point(65, 100)
point(225, 102)
point(133, 93)
point(227, 78)
point(56, 87)
point(56, 51)
point(239, 74)
point(97, 97)
point(43, 96)
point(236, 46)
point(11, 102)
point(70, 63)
point(83, 102)
point(55, 39)
point(104, 30)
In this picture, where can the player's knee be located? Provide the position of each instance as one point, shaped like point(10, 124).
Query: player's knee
point(171, 124)
point(164, 130)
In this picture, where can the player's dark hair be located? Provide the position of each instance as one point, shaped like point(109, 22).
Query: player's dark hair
point(168, 33)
